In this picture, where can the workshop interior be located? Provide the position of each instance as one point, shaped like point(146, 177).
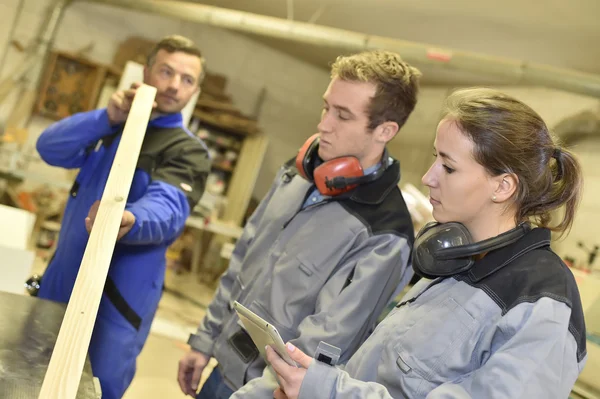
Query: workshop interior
point(260, 90)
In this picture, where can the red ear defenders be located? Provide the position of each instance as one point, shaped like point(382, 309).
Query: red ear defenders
point(336, 176)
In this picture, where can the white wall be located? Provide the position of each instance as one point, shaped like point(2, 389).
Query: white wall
point(413, 146)
point(552, 105)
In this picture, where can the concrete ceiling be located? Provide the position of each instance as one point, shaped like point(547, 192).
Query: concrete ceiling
point(554, 32)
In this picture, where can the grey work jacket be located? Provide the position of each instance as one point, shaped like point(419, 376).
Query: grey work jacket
point(511, 327)
point(322, 273)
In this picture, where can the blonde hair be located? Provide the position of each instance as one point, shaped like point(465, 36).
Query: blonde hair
point(397, 83)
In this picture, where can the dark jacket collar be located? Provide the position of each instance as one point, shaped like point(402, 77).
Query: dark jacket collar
point(168, 121)
point(374, 193)
point(496, 260)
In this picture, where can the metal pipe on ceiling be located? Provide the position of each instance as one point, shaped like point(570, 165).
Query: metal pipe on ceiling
point(515, 71)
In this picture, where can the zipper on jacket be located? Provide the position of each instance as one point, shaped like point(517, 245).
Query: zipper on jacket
point(287, 178)
point(325, 201)
point(411, 300)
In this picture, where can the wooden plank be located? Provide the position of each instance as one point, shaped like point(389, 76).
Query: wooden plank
point(244, 177)
point(66, 364)
point(6, 86)
point(217, 105)
point(228, 122)
point(13, 78)
point(22, 110)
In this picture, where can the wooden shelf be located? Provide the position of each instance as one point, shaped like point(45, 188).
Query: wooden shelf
point(217, 143)
point(204, 102)
point(228, 129)
point(231, 124)
point(224, 168)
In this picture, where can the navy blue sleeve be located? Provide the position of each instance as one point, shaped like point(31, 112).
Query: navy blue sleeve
point(65, 143)
point(177, 184)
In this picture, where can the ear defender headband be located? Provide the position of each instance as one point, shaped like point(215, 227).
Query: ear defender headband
point(336, 176)
point(443, 250)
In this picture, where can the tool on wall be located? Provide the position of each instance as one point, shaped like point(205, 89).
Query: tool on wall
point(592, 253)
point(26, 76)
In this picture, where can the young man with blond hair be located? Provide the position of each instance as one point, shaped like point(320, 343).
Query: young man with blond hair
point(322, 254)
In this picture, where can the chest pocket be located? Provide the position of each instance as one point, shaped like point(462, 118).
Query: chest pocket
point(291, 290)
point(300, 275)
point(433, 350)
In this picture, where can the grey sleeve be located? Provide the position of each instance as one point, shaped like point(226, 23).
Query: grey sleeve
point(344, 314)
point(211, 324)
point(322, 381)
point(537, 358)
point(258, 388)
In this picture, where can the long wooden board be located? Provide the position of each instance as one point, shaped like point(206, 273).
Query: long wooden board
point(66, 364)
point(22, 109)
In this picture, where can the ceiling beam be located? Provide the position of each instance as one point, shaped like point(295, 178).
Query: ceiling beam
point(514, 71)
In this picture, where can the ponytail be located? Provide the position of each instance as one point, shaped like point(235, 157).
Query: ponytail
point(564, 185)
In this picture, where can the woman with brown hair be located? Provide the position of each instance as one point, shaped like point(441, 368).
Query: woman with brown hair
point(498, 314)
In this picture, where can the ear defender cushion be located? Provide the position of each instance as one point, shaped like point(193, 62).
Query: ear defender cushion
point(307, 155)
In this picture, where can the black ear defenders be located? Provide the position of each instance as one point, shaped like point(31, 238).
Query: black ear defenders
point(443, 250)
point(335, 176)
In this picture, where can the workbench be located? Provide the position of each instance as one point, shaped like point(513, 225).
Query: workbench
point(28, 330)
point(201, 225)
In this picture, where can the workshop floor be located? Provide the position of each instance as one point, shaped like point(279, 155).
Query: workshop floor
point(180, 309)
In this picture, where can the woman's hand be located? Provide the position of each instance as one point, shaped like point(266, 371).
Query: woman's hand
point(290, 378)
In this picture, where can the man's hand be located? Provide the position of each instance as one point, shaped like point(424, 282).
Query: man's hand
point(120, 104)
point(290, 378)
point(127, 221)
point(190, 370)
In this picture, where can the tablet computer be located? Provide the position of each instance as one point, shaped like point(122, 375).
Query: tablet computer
point(262, 333)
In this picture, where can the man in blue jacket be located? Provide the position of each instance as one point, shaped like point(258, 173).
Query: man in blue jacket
point(169, 180)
